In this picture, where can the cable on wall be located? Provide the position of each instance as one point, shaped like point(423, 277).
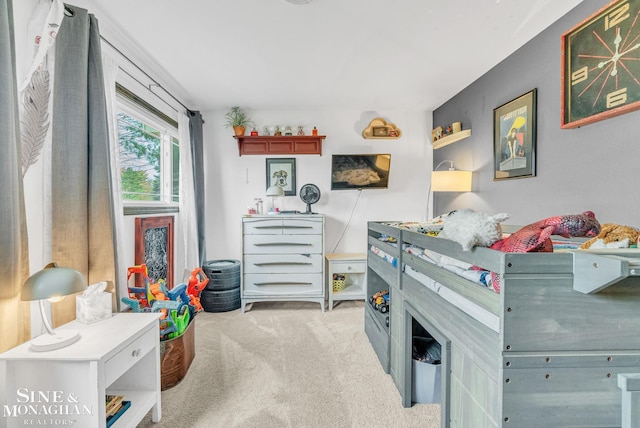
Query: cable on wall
point(346, 227)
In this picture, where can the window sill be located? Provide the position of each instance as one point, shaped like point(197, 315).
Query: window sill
point(139, 210)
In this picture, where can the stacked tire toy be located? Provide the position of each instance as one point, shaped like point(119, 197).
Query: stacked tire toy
point(222, 293)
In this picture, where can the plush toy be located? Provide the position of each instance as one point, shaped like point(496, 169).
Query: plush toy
point(471, 228)
point(613, 236)
point(535, 237)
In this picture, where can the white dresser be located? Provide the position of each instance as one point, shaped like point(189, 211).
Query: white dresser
point(283, 258)
point(118, 356)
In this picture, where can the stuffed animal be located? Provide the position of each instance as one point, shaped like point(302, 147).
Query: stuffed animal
point(471, 228)
point(613, 236)
point(535, 237)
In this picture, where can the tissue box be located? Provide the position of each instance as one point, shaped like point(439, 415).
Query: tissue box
point(92, 308)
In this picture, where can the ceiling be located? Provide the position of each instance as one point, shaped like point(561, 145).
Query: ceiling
point(328, 54)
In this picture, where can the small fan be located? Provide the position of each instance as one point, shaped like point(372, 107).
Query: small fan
point(310, 194)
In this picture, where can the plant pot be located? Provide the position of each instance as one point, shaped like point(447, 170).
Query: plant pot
point(239, 130)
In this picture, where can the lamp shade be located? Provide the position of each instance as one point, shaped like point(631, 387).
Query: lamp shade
point(52, 281)
point(275, 191)
point(451, 181)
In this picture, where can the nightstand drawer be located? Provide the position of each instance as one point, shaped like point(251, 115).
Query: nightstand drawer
point(283, 244)
point(130, 355)
point(277, 263)
point(349, 267)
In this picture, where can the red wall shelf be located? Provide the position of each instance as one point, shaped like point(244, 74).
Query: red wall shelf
point(280, 145)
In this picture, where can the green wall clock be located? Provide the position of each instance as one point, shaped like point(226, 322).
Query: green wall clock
point(600, 75)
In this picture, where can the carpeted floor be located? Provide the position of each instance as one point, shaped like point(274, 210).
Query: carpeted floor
point(287, 364)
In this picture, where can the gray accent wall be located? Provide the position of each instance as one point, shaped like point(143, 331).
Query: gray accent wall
point(595, 167)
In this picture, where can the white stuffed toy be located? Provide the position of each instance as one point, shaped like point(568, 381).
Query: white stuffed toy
point(471, 228)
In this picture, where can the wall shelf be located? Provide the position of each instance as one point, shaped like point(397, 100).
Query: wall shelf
point(280, 145)
point(450, 139)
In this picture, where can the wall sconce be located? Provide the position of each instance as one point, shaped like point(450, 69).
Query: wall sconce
point(451, 180)
point(52, 283)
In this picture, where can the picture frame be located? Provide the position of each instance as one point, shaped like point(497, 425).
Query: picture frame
point(514, 138)
point(282, 172)
point(380, 131)
point(154, 247)
point(600, 67)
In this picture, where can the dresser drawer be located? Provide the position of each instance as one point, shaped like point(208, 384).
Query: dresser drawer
point(282, 226)
point(115, 366)
point(283, 244)
point(278, 263)
point(277, 284)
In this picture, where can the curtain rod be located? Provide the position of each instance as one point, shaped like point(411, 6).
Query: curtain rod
point(148, 76)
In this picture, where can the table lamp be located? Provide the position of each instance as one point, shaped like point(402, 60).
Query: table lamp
point(274, 191)
point(52, 283)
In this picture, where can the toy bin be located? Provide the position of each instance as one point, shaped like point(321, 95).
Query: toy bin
point(426, 370)
point(425, 382)
point(339, 282)
point(176, 356)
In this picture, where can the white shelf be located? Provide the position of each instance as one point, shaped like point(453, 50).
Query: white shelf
point(450, 139)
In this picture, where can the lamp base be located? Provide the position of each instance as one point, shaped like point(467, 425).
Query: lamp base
point(57, 340)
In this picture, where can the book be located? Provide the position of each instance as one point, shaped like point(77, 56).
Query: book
point(123, 408)
point(113, 404)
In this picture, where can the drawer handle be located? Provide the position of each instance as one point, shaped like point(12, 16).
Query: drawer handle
point(281, 263)
point(282, 283)
point(276, 244)
point(135, 353)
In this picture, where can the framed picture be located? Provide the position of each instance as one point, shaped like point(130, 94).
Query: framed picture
point(514, 138)
point(380, 131)
point(600, 66)
point(154, 247)
point(282, 172)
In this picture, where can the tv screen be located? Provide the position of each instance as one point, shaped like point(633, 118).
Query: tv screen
point(360, 171)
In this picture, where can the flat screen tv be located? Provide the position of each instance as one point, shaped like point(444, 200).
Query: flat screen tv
point(360, 171)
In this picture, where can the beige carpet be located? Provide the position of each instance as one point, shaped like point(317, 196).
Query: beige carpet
point(287, 364)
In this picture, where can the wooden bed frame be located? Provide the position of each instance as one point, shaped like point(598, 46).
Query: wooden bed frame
point(569, 324)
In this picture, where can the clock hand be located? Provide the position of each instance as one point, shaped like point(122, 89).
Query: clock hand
point(615, 56)
point(630, 49)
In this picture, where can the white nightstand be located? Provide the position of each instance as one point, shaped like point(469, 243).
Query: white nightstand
point(119, 356)
point(354, 268)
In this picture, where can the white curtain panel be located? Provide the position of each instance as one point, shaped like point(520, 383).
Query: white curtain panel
point(110, 70)
point(187, 197)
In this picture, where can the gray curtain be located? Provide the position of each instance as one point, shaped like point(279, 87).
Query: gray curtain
point(14, 251)
point(195, 126)
point(82, 210)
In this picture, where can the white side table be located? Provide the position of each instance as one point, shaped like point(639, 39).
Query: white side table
point(354, 268)
point(118, 356)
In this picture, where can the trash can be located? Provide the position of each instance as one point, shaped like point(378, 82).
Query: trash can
point(426, 374)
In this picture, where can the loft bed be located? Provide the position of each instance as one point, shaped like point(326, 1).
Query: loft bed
point(545, 351)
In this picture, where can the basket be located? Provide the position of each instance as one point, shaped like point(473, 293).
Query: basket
point(339, 282)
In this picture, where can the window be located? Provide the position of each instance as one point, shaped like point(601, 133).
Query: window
point(149, 156)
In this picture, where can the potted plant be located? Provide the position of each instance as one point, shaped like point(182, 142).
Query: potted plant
point(238, 119)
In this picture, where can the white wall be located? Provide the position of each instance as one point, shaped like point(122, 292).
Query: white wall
point(233, 181)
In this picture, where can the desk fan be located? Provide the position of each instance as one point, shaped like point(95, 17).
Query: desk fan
point(310, 194)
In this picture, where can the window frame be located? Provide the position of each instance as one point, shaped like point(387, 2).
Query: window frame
point(169, 133)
